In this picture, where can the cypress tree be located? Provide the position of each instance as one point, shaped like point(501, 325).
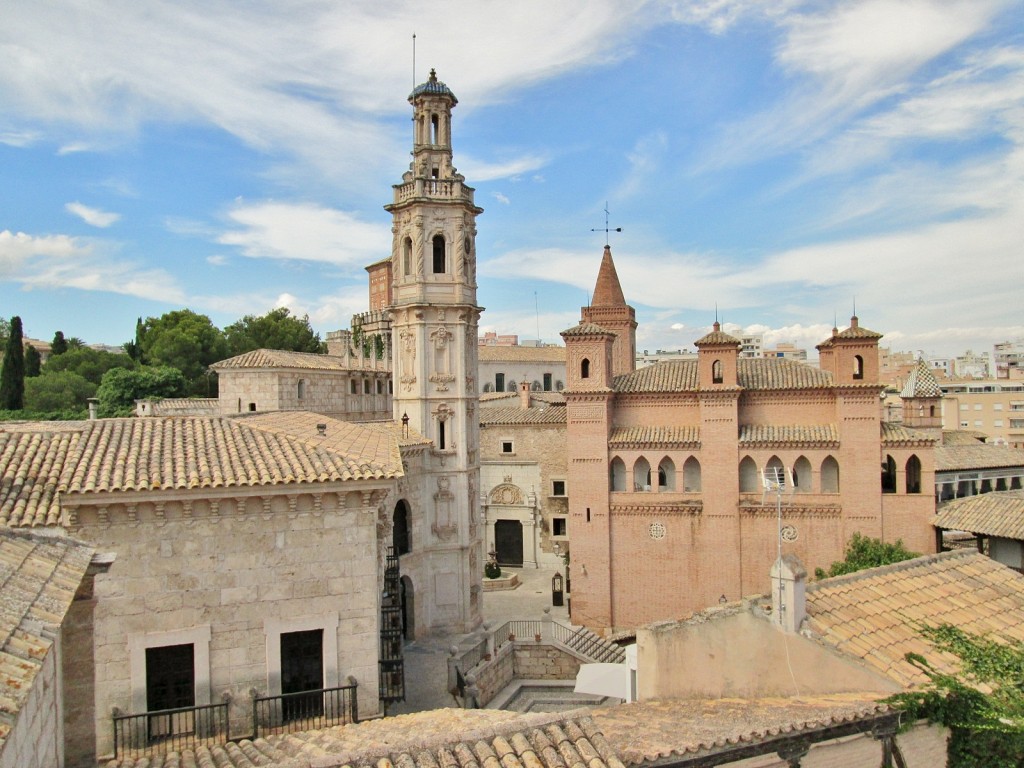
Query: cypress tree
point(59, 345)
point(12, 375)
point(33, 362)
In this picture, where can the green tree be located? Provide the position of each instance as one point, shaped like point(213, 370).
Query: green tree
point(982, 704)
point(864, 552)
point(12, 374)
point(33, 362)
point(5, 329)
point(59, 345)
point(186, 341)
point(88, 363)
point(277, 329)
point(121, 387)
point(58, 391)
point(133, 348)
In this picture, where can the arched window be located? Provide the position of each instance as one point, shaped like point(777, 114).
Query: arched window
point(401, 534)
point(829, 475)
point(300, 389)
point(931, 411)
point(749, 482)
point(353, 387)
point(775, 471)
point(858, 367)
point(618, 474)
point(407, 256)
point(380, 387)
point(913, 474)
point(666, 475)
point(716, 372)
point(889, 475)
point(642, 475)
point(559, 386)
point(802, 475)
point(691, 475)
point(433, 129)
point(440, 262)
point(585, 368)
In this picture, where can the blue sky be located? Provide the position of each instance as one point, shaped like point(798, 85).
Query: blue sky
point(780, 160)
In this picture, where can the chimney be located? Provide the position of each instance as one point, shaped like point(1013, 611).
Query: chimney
point(321, 429)
point(789, 604)
point(93, 404)
point(524, 394)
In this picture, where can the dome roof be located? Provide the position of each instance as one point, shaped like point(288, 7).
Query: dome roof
point(433, 87)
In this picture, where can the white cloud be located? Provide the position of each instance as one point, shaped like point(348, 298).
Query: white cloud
point(19, 138)
point(480, 171)
point(305, 232)
point(217, 260)
point(92, 216)
point(59, 261)
point(503, 199)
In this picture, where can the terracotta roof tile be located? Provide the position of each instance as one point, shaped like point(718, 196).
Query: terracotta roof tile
point(1000, 513)
point(279, 358)
point(495, 354)
point(874, 614)
point(444, 738)
point(856, 332)
point(675, 437)
point(753, 374)
point(586, 329)
point(40, 576)
point(789, 434)
point(717, 338)
point(655, 730)
point(37, 468)
point(977, 456)
point(514, 414)
point(897, 434)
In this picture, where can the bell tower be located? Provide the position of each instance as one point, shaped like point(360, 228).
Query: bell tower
point(434, 321)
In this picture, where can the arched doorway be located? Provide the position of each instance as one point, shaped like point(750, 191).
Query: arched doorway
point(408, 598)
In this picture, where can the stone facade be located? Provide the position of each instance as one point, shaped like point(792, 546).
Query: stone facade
point(37, 739)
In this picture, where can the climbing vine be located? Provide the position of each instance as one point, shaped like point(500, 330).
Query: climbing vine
point(982, 704)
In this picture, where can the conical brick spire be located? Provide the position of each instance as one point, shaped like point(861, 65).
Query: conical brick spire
point(608, 291)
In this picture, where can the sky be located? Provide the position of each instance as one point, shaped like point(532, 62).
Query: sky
point(775, 163)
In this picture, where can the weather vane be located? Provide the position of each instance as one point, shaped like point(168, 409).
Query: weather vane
point(606, 229)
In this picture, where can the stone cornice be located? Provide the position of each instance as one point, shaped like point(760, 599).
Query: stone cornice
point(686, 509)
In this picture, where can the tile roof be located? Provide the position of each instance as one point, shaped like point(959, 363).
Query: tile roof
point(38, 467)
point(921, 382)
point(977, 456)
point(874, 614)
point(676, 437)
point(753, 374)
point(40, 575)
point(856, 332)
point(495, 354)
point(279, 358)
point(448, 738)
point(789, 434)
point(962, 437)
point(586, 329)
point(1000, 513)
point(186, 406)
point(645, 732)
point(717, 337)
point(897, 434)
point(607, 290)
point(514, 414)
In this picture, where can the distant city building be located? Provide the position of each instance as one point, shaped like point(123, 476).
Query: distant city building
point(647, 358)
point(503, 367)
point(991, 406)
point(971, 366)
point(1008, 359)
point(786, 352)
point(752, 345)
point(492, 339)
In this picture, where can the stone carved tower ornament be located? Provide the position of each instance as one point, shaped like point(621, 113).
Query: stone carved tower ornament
point(434, 324)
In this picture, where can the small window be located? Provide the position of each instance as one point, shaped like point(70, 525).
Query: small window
point(366, 386)
point(499, 382)
point(558, 527)
point(407, 256)
point(507, 447)
point(170, 680)
point(547, 382)
point(585, 369)
point(441, 444)
point(440, 263)
point(353, 387)
point(977, 406)
point(558, 487)
point(380, 387)
point(858, 367)
point(252, 407)
point(716, 372)
point(301, 389)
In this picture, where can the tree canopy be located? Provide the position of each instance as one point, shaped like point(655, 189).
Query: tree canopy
point(33, 362)
point(184, 340)
point(59, 345)
point(12, 373)
point(58, 391)
point(277, 329)
point(121, 387)
point(865, 552)
point(89, 363)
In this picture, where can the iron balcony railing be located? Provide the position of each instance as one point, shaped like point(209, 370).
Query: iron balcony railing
point(170, 730)
point(306, 710)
